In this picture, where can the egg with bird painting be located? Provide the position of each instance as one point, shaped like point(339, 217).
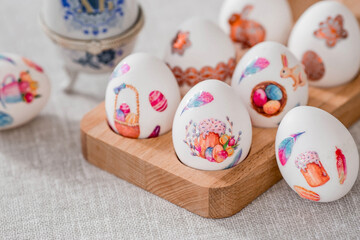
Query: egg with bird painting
point(316, 154)
point(24, 90)
point(326, 39)
point(212, 128)
point(137, 107)
point(248, 23)
point(199, 50)
point(270, 81)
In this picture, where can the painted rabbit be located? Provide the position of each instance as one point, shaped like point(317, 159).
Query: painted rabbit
point(245, 31)
point(296, 73)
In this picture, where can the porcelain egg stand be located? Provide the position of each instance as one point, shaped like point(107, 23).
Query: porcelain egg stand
point(92, 36)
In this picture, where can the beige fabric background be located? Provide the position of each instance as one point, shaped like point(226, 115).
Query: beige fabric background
point(48, 191)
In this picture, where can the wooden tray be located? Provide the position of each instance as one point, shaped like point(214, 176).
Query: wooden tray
point(152, 164)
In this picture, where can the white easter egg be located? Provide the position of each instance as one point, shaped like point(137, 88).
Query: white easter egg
point(89, 19)
point(24, 90)
point(250, 22)
point(212, 129)
point(316, 154)
point(200, 50)
point(326, 39)
point(141, 97)
point(270, 81)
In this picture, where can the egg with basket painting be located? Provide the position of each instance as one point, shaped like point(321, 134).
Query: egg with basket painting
point(270, 81)
point(199, 50)
point(141, 97)
point(251, 22)
point(24, 90)
point(326, 39)
point(316, 154)
point(212, 128)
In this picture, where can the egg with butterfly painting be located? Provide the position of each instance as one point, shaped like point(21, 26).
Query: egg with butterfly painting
point(137, 107)
point(212, 128)
point(326, 39)
point(270, 81)
point(199, 50)
point(24, 90)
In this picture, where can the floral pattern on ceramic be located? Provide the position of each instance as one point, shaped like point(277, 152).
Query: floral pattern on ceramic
point(180, 43)
point(211, 140)
point(256, 65)
point(314, 65)
point(332, 30)
point(311, 168)
point(93, 17)
point(296, 73)
point(106, 57)
point(286, 146)
point(245, 31)
point(192, 76)
point(268, 98)
point(199, 99)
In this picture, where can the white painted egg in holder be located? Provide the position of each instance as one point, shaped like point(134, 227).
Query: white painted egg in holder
point(212, 129)
point(270, 80)
point(24, 90)
point(326, 39)
point(141, 97)
point(200, 50)
point(316, 154)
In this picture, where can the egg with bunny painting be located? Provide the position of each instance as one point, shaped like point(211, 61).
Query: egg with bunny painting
point(24, 90)
point(141, 97)
point(212, 128)
point(270, 81)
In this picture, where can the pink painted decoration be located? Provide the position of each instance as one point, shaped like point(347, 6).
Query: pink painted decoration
point(286, 146)
point(120, 70)
point(155, 132)
point(341, 165)
point(253, 67)
point(260, 97)
point(158, 101)
point(125, 108)
point(200, 99)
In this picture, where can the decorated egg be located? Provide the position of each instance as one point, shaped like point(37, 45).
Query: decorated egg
point(251, 22)
point(270, 81)
point(326, 39)
point(316, 154)
point(24, 90)
point(141, 101)
point(92, 35)
point(200, 50)
point(212, 128)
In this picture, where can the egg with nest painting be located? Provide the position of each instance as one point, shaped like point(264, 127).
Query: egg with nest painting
point(212, 128)
point(137, 107)
point(270, 81)
point(24, 90)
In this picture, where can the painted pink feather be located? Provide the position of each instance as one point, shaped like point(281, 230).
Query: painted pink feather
point(341, 165)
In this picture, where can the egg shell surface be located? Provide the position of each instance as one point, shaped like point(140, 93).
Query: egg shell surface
point(212, 129)
point(132, 82)
point(24, 90)
point(316, 154)
point(262, 68)
point(330, 52)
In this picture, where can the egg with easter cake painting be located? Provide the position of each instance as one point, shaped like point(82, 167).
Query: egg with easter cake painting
point(141, 97)
point(270, 81)
point(212, 128)
point(326, 39)
point(251, 22)
point(316, 154)
point(199, 50)
point(24, 90)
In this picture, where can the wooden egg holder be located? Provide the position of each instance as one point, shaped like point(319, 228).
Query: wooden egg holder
point(153, 165)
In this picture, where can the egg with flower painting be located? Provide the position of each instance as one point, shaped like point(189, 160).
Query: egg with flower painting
point(270, 81)
point(248, 23)
point(199, 50)
point(24, 90)
point(326, 39)
point(137, 107)
point(316, 154)
point(212, 128)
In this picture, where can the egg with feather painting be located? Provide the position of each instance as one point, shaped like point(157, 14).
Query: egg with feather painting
point(211, 129)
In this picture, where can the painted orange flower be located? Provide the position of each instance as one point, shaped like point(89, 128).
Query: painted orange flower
point(331, 30)
point(180, 43)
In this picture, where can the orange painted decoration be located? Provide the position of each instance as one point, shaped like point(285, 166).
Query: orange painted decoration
point(180, 43)
point(331, 30)
point(245, 31)
point(307, 194)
